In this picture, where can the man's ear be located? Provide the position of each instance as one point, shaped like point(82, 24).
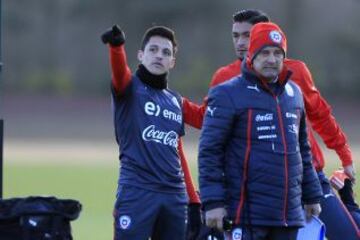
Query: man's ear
point(140, 55)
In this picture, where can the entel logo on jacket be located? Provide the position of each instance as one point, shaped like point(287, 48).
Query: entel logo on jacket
point(153, 109)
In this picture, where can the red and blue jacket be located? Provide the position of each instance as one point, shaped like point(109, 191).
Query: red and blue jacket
point(318, 111)
point(254, 155)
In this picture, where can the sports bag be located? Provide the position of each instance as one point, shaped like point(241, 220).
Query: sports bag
point(37, 218)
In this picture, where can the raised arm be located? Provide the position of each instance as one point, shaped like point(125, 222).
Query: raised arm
point(121, 73)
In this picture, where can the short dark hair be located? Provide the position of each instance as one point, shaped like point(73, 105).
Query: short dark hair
point(161, 31)
point(251, 16)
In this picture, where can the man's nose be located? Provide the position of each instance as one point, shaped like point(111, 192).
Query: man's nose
point(159, 55)
point(271, 58)
point(242, 41)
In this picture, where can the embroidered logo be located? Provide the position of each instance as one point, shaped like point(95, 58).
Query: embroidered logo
point(237, 234)
point(211, 110)
point(255, 87)
point(275, 36)
point(291, 115)
point(263, 118)
point(266, 128)
point(289, 90)
point(166, 138)
point(270, 136)
point(153, 109)
point(175, 101)
point(293, 128)
point(124, 222)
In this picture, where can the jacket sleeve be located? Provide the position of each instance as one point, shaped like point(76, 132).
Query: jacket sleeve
point(216, 129)
point(193, 113)
point(220, 76)
point(321, 118)
point(311, 188)
point(190, 188)
point(217, 78)
point(120, 71)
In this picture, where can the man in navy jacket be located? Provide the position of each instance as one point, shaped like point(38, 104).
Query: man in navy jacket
point(254, 156)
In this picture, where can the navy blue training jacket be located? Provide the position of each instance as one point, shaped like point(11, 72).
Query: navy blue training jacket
point(254, 156)
point(148, 123)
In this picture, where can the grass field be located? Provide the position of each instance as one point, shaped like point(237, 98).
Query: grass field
point(84, 171)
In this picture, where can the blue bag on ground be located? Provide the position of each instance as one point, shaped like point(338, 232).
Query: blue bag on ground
point(313, 230)
point(37, 218)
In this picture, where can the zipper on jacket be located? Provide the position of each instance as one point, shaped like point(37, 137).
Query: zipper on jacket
point(285, 159)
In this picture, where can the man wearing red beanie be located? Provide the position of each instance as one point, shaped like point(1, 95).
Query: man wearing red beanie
point(321, 120)
point(254, 155)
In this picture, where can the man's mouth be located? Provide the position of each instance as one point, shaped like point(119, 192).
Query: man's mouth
point(157, 64)
point(241, 49)
point(270, 67)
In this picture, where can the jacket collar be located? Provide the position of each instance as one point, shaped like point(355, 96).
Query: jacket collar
point(274, 88)
point(154, 81)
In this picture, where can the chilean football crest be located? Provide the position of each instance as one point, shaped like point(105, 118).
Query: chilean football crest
point(289, 90)
point(237, 234)
point(275, 36)
point(124, 222)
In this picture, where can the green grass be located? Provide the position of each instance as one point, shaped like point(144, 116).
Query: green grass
point(93, 185)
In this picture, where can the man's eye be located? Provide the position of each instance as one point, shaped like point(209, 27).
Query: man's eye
point(167, 53)
point(278, 53)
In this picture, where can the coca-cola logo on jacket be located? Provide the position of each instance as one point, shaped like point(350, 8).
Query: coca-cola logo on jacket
point(264, 117)
point(170, 138)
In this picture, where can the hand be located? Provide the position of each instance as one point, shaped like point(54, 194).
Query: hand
point(114, 36)
point(338, 178)
point(350, 172)
point(194, 221)
point(214, 218)
point(312, 209)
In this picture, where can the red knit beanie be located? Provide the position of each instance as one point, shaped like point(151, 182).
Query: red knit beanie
point(263, 35)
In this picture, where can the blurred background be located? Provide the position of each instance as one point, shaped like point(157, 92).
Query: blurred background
point(55, 84)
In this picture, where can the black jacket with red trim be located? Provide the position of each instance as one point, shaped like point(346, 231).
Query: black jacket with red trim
point(254, 155)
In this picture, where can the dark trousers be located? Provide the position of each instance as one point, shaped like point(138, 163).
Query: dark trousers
point(140, 214)
point(339, 222)
point(262, 233)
